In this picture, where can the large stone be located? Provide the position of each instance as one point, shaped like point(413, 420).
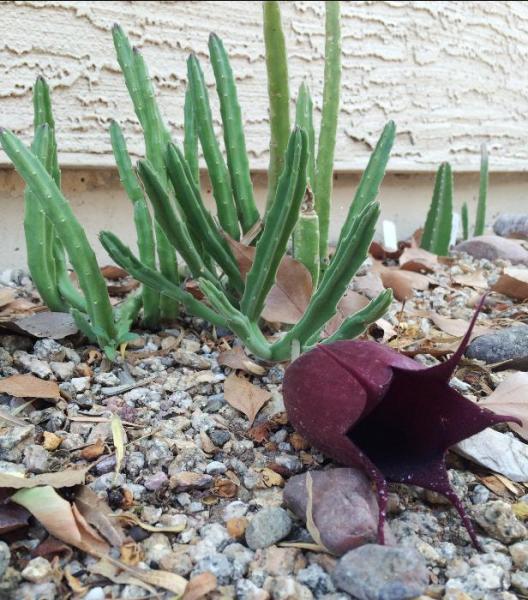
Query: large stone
point(498, 520)
point(493, 247)
point(512, 226)
point(500, 452)
point(511, 342)
point(375, 572)
point(345, 492)
point(267, 527)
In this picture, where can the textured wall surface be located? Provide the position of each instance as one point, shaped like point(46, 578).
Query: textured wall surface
point(451, 74)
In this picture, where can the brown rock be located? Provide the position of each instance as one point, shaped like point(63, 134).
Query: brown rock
point(345, 509)
point(187, 480)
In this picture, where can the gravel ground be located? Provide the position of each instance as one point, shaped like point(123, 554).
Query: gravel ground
point(192, 461)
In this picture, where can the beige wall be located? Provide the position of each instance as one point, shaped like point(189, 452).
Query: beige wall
point(449, 73)
point(100, 204)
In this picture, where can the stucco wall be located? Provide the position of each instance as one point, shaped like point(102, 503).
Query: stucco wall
point(449, 73)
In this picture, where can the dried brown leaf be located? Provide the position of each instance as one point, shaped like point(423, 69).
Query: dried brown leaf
point(456, 327)
point(511, 398)
point(61, 519)
point(369, 285)
point(349, 304)
point(236, 358)
point(244, 396)
point(54, 325)
point(310, 523)
point(475, 280)
point(60, 479)
point(513, 283)
point(199, 586)
point(289, 297)
point(119, 439)
point(93, 451)
point(7, 295)
point(12, 517)
point(29, 386)
point(98, 514)
point(402, 283)
point(129, 517)
point(112, 272)
point(418, 260)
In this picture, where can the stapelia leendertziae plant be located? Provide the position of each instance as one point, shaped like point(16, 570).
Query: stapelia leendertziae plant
point(366, 405)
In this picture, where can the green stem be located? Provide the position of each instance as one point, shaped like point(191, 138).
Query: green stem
point(480, 219)
point(278, 92)
point(327, 135)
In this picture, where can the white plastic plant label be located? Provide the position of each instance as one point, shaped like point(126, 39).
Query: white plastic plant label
point(390, 237)
point(455, 226)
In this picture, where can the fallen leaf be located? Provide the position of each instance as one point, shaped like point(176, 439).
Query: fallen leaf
point(513, 283)
point(74, 583)
point(244, 396)
point(236, 358)
point(207, 444)
point(132, 553)
point(199, 586)
point(54, 325)
point(310, 523)
point(17, 307)
point(60, 479)
point(123, 289)
point(51, 547)
point(369, 285)
point(12, 517)
point(93, 451)
point(131, 518)
point(113, 272)
point(475, 280)
point(382, 331)
point(61, 519)
point(379, 252)
point(110, 567)
point(511, 398)
point(7, 295)
point(292, 291)
point(456, 327)
point(29, 386)
point(260, 433)
point(98, 514)
point(349, 304)
point(418, 260)
point(402, 283)
point(119, 439)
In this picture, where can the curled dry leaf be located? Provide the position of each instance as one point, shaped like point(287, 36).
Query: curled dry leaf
point(244, 396)
point(310, 523)
point(54, 325)
point(418, 260)
point(61, 519)
point(119, 439)
point(236, 358)
point(131, 518)
point(511, 398)
point(98, 514)
point(51, 547)
point(60, 479)
point(118, 572)
point(29, 386)
point(513, 283)
point(456, 327)
point(199, 586)
point(289, 297)
point(379, 252)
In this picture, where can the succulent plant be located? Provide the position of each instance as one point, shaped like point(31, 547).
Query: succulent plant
point(93, 314)
point(292, 210)
point(437, 229)
point(480, 218)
